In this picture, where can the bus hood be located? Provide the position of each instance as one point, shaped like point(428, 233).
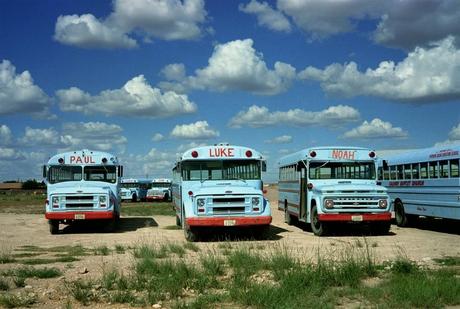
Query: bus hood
point(349, 188)
point(226, 190)
point(72, 188)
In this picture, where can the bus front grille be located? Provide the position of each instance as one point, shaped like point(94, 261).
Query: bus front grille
point(79, 205)
point(356, 202)
point(227, 210)
point(228, 200)
point(78, 197)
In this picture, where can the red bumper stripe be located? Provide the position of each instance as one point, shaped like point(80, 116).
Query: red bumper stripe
point(70, 215)
point(386, 216)
point(220, 221)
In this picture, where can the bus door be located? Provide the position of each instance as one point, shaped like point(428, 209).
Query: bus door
point(303, 194)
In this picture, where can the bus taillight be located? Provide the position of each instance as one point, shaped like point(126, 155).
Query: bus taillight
point(372, 154)
point(195, 154)
point(312, 154)
point(248, 153)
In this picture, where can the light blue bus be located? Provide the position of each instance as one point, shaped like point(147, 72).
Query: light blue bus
point(323, 185)
point(423, 183)
point(134, 190)
point(220, 186)
point(82, 185)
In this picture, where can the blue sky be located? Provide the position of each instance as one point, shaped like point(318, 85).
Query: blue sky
point(148, 79)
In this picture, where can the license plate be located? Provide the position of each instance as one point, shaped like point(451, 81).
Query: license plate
point(357, 218)
point(229, 222)
point(79, 217)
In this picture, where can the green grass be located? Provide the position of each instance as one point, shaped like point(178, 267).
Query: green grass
point(4, 285)
point(172, 227)
point(120, 249)
point(31, 272)
point(60, 259)
point(26, 254)
point(6, 258)
point(22, 202)
point(449, 260)
point(147, 209)
point(14, 301)
point(102, 250)
point(191, 246)
point(273, 279)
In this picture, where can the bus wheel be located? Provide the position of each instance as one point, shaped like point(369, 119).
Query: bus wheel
point(54, 226)
point(190, 235)
point(178, 221)
point(134, 198)
point(166, 198)
point(400, 215)
point(111, 225)
point(287, 216)
point(318, 228)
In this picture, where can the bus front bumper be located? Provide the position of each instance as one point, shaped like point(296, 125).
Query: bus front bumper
point(80, 215)
point(355, 217)
point(229, 221)
point(154, 197)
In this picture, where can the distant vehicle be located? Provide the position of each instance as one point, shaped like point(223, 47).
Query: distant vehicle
point(160, 189)
point(134, 190)
point(423, 183)
point(322, 185)
point(217, 186)
point(82, 185)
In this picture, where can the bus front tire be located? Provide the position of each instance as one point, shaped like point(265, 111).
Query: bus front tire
point(318, 228)
point(190, 234)
point(287, 216)
point(178, 223)
point(54, 226)
point(401, 218)
point(134, 198)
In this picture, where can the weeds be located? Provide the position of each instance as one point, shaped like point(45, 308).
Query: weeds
point(120, 249)
point(176, 249)
point(449, 260)
point(6, 258)
point(102, 250)
point(191, 246)
point(14, 301)
point(147, 209)
point(172, 227)
point(82, 291)
point(61, 259)
point(4, 286)
point(30, 272)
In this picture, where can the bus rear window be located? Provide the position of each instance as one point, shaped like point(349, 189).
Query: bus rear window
point(454, 168)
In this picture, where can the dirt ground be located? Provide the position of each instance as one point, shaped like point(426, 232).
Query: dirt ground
point(427, 240)
point(423, 243)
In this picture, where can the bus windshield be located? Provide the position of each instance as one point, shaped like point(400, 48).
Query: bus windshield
point(342, 170)
point(221, 170)
point(62, 173)
point(128, 185)
point(160, 185)
point(101, 173)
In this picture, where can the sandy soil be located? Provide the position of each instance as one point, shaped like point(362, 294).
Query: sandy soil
point(427, 240)
point(431, 239)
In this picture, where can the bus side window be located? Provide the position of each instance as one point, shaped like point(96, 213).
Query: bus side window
point(400, 169)
point(407, 171)
point(386, 173)
point(454, 168)
point(433, 169)
point(444, 169)
point(424, 170)
point(393, 173)
point(415, 171)
point(380, 173)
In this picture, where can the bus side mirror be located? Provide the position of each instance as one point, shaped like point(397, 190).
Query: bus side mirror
point(385, 164)
point(264, 166)
point(44, 171)
point(120, 171)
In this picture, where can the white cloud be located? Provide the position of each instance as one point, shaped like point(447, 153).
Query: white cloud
point(236, 65)
point(260, 116)
point(135, 99)
point(174, 72)
point(454, 137)
point(321, 18)
point(158, 137)
point(162, 19)
point(197, 130)
point(183, 147)
point(425, 75)
point(88, 32)
point(39, 137)
point(267, 16)
point(375, 129)
point(5, 135)
point(283, 139)
point(8, 154)
point(154, 164)
point(399, 23)
point(93, 135)
point(18, 94)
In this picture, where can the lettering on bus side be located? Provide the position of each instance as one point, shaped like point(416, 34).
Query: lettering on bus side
point(221, 152)
point(406, 183)
point(80, 160)
point(343, 154)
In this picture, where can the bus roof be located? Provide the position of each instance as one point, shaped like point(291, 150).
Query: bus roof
point(221, 152)
point(84, 157)
point(424, 155)
point(326, 153)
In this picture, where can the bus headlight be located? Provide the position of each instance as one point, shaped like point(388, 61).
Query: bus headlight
point(200, 202)
point(255, 201)
point(329, 204)
point(55, 200)
point(383, 203)
point(102, 199)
